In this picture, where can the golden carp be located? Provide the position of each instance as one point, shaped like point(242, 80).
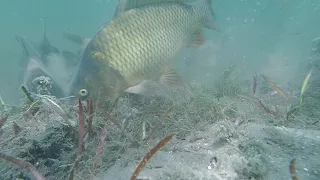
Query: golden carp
point(140, 43)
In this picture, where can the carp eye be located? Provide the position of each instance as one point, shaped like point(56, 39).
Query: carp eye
point(83, 93)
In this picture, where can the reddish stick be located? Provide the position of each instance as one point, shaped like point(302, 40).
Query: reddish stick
point(81, 134)
point(100, 146)
point(24, 165)
point(148, 156)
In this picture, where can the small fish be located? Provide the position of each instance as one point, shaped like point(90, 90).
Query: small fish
point(140, 43)
point(76, 39)
point(305, 85)
point(254, 84)
point(276, 88)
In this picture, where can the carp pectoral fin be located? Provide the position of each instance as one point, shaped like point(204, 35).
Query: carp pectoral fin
point(171, 78)
point(167, 81)
point(197, 39)
point(147, 88)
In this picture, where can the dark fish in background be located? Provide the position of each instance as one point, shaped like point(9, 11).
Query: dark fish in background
point(46, 48)
point(45, 60)
point(139, 45)
point(78, 40)
point(71, 58)
point(33, 67)
point(74, 38)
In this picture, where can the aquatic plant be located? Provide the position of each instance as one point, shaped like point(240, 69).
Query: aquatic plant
point(43, 85)
point(70, 138)
point(228, 83)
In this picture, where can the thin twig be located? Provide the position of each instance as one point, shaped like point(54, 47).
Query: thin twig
point(80, 141)
point(163, 117)
point(276, 88)
point(259, 103)
point(114, 122)
point(100, 146)
point(81, 133)
point(90, 119)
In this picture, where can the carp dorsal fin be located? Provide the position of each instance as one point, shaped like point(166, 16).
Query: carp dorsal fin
point(125, 5)
point(45, 47)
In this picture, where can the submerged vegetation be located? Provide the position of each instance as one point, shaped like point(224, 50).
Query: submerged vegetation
point(227, 84)
point(312, 93)
point(73, 139)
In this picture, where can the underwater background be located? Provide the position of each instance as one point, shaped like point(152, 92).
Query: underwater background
point(274, 34)
point(26, 18)
point(224, 130)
